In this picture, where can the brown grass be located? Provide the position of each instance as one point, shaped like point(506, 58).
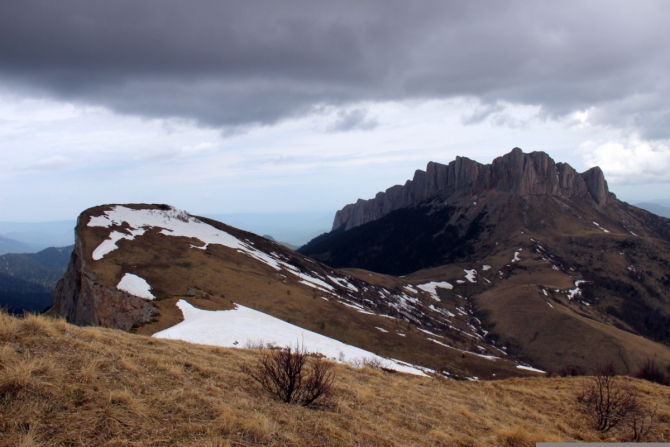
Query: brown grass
point(65, 385)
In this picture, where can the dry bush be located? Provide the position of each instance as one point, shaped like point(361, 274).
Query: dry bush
point(607, 402)
point(374, 362)
point(611, 404)
point(571, 371)
point(653, 373)
point(282, 373)
point(640, 423)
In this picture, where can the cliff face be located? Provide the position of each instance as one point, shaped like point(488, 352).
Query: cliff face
point(515, 173)
point(81, 301)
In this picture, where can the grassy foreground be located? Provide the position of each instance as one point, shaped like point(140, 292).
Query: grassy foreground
point(71, 386)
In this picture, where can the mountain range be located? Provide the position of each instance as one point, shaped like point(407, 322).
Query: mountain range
point(476, 271)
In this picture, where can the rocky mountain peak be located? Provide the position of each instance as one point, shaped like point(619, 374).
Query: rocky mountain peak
point(516, 173)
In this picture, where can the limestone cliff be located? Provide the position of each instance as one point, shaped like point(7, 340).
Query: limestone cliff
point(515, 173)
point(80, 300)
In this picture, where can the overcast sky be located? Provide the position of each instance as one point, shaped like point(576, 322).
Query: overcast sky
point(249, 106)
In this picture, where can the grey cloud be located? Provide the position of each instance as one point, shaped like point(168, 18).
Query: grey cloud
point(354, 119)
point(482, 112)
point(232, 64)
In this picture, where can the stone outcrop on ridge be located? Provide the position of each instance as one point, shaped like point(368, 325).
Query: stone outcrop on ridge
point(516, 173)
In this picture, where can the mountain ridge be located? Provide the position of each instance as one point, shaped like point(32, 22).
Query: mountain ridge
point(516, 173)
point(566, 260)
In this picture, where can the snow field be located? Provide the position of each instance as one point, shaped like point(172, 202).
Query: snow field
point(245, 327)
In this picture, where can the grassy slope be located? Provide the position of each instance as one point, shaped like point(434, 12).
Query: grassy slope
point(66, 385)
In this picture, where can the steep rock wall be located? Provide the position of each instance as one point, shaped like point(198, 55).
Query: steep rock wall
point(81, 301)
point(515, 173)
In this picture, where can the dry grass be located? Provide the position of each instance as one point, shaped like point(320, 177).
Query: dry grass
point(65, 385)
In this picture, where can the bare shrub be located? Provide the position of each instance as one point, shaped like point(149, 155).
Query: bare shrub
point(611, 404)
point(257, 344)
point(653, 373)
point(283, 373)
point(607, 402)
point(571, 371)
point(374, 362)
point(641, 422)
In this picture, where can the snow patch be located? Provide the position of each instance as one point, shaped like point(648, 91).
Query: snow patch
point(596, 224)
point(135, 285)
point(109, 245)
point(576, 291)
point(442, 311)
point(470, 275)
point(528, 368)
point(486, 267)
point(410, 289)
point(431, 288)
point(516, 257)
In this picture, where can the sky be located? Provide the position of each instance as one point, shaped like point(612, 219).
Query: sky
point(221, 107)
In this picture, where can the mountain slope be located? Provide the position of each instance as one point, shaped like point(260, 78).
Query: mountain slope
point(66, 385)
point(27, 280)
point(570, 267)
point(138, 267)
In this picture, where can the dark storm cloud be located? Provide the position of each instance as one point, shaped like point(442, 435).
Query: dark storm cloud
point(238, 63)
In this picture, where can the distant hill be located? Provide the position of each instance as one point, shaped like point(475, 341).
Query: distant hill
point(659, 210)
point(8, 245)
point(31, 237)
point(27, 280)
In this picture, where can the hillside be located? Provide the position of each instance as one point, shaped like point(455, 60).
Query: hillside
point(65, 385)
point(27, 280)
point(152, 269)
point(558, 270)
point(9, 245)
point(655, 208)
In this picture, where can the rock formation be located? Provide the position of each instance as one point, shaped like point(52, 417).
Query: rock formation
point(81, 301)
point(515, 173)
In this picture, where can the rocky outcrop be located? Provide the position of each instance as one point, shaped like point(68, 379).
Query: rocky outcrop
point(515, 173)
point(81, 301)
